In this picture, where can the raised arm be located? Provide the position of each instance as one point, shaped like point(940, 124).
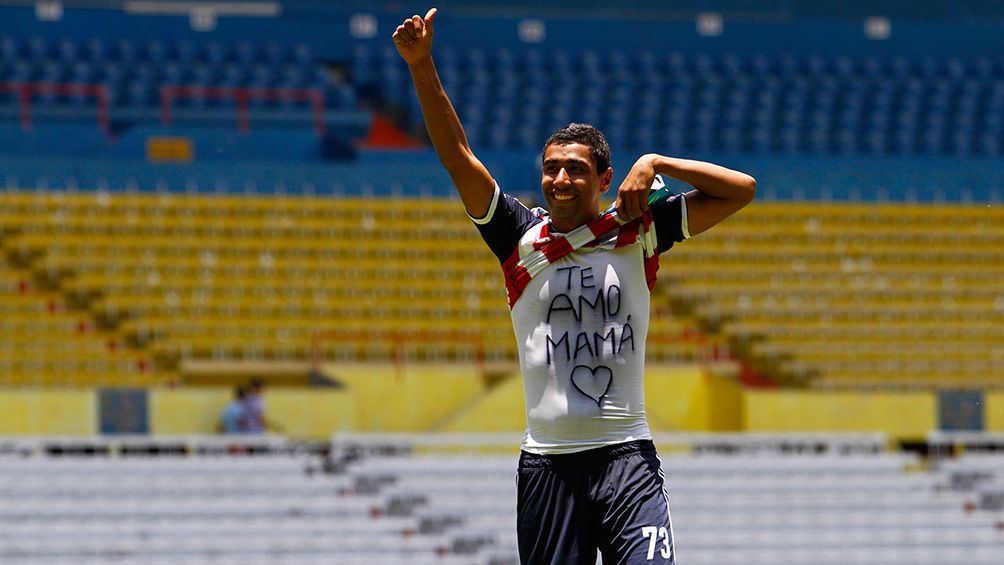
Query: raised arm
point(720, 192)
point(413, 40)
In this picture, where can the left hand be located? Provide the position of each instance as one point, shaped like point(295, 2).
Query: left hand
point(632, 196)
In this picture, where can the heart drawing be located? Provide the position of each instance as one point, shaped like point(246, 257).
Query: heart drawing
point(594, 383)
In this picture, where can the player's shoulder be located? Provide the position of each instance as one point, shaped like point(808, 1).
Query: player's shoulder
point(506, 223)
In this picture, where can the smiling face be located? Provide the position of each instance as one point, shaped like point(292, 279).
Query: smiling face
point(572, 186)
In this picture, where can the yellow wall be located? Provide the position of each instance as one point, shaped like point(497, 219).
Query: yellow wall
point(498, 410)
point(311, 413)
point(48, 412)
point(725, 404)
point(994, 411)
point(420, 399)
point(185, 411)
point(900, 415)
point(297, 412)
point(455, 399)
point(691, 399)
point(677, 398)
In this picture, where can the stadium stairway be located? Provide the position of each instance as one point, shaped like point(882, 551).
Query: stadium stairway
point(45, 342)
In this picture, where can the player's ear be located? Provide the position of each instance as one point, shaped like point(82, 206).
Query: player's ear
point(606, 179)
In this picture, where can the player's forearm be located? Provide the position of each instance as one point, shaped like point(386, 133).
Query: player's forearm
point(441, 121)
point(709, 179)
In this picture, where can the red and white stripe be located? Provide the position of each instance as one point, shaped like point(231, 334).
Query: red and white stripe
point(607, 230)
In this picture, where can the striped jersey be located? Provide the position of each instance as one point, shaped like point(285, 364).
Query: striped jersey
point(579, 304)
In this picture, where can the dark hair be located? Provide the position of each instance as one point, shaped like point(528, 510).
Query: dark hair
point(587, 135)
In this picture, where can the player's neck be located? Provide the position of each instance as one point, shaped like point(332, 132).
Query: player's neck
point(565, 225)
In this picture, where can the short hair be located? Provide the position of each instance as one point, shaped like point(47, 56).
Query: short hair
point(587, 135)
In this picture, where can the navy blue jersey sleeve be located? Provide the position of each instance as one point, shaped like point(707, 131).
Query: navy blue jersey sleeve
point(670, 218)
point(504, 224)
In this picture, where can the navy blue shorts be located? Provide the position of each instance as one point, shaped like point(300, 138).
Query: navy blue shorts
point(611, 498)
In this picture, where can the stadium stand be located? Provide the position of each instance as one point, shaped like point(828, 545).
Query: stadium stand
point(182, 278)
point(798, 498)
point(43, 341)
point(794, 289)
point(186, 278)
point(185, 206)
point(67, 78)
point(754, 103)
point(793, 499)
point(853, 294)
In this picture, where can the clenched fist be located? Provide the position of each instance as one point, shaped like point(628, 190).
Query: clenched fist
point(413, 38)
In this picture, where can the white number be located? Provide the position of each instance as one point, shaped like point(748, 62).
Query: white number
point(653, 534)
point(665, 551)
point(650, 532)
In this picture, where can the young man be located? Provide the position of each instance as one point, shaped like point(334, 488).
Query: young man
point(578, 282)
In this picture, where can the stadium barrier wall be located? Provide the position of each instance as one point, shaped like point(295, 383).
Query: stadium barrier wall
point(903, 415)
point(48, 412)
point(677, 400)
point(395, 173)
point(994, 412)
point(683, 398)
point(418, 400)
point(297, 412)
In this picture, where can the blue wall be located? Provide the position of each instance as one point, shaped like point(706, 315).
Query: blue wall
point(387, 173)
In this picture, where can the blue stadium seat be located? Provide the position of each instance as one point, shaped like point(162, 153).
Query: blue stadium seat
point(732, 140)
point(302, 54)
point(676, 65)
point(154, 51)
point(845, 68)
point(476, 60)
point(647, 61)
point(273, 53)
point(125, 51)
point(363, 63)
point(955, 68)
point(704, 66)
point(141, 94)
point(213, 52)
point(991, 144)
point(185, 51)
point(760, 65)
point(244, 52)
point(900, 68)
point(983, 69)
point(96, 50)
point(505, 60)
point(83, 72)
point(873, 67)
point(10, 48)
point(787, 66)
point(527, 134)
point(731, 66)
point(67, 50)
point(38, 49)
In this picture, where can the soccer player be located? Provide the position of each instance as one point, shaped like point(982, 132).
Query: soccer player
point(578, 281)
